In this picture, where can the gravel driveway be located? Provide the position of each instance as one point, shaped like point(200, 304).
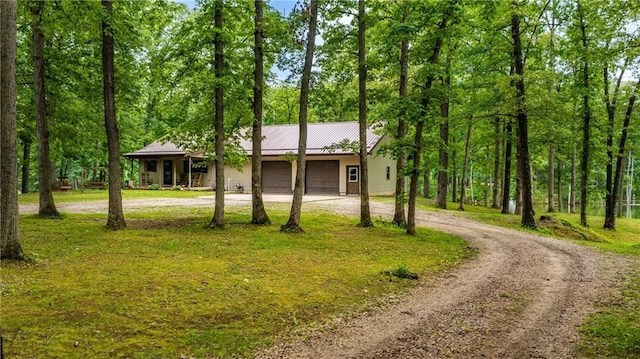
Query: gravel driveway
point(523, 296)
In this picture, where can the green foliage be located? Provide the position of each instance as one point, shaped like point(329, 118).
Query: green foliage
point(402, 272)
point(168, 286)
point(154, 186)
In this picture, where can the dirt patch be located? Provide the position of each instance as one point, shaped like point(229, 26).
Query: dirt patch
point(523, 296)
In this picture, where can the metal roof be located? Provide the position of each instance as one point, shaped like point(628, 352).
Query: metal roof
point(283, 139)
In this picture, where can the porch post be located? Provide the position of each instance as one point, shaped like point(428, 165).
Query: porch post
point(189, 180)
point(174, 172)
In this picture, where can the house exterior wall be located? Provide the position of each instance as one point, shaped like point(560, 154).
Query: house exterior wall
point(379, 184)
point(378, 164)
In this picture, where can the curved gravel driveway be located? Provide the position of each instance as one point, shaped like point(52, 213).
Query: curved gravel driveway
point(523, 296)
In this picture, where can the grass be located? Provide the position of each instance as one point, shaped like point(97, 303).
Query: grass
point(170, 287)
point(614, 331)
point(100, 195)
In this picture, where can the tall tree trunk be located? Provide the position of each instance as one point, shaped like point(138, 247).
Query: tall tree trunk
point(454, 176)
point(47, 207)
point(624, 161)
point(572, 182)
point(495, 201)
point(506, 183)
point(465, 163)
point(365, 211)
point(552, 90)
point(617, 180)
point(26, 165)
point(426, 181)
point(586, 125)
point(551, 179)
point(258, 214)
point(528, 219)
point(610, 105)
point(417, 149)
point(443, 150)
point(293, 224)
point(218, 213)
point(559, 174)
point(399, 218)
point(115, 219)
point(9, 240)
point(487, 184)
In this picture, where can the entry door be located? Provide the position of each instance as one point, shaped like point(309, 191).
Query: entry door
point(167, 172)
point(353, 179)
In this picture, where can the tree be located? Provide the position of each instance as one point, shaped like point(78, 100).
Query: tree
point(293, 224)
point(9, 240)
point(610, 220)
point(426, 99)
point(115, 219)
point(218, 215)
point(443, 149)
point(465, 162)
point(496, 165)
point(258, 214)
point(524, 166)
point(399, 214)
point(365, 212)
point(586, 113)
point(47, 207)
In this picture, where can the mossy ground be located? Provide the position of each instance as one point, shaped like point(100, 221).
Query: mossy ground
point(168, 286)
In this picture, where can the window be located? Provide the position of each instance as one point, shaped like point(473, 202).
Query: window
point(353, 174)
point(388, 173)
point(152, 165)
point(196, 166)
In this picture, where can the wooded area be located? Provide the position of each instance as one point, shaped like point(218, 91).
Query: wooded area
point(460, 85)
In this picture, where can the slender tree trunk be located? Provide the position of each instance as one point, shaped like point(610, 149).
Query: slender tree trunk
point(465, 163)
point(620, 187)
point(47, 207)
point(426, 180)
point(443, 151)
point(617, 180)
point(365, 211)
point(26, 165)
point(399, 218)
point(258, 214)
point(495, 202)
point(551, 179)
point(552, 145)
point(559, 174)
point(115, 219)
point(572, 191)
point(486, 176)
point(586, 125)
point(417, 149)
point(506, 183)
point(293, 224)
point(218, 214)
point(10, 248)
point(528, 219)
point(454, 177)
point(610, 105)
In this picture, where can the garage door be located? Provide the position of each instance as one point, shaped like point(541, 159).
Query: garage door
point(276, 177)
point(323, 177)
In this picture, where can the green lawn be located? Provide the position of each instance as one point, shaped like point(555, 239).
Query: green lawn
point(169, 287)
point(97, 195)
point(614, 331)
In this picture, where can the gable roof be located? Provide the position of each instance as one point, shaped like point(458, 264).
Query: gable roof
point(283, 139)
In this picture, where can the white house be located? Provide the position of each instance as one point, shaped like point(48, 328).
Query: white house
point(329, 169)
